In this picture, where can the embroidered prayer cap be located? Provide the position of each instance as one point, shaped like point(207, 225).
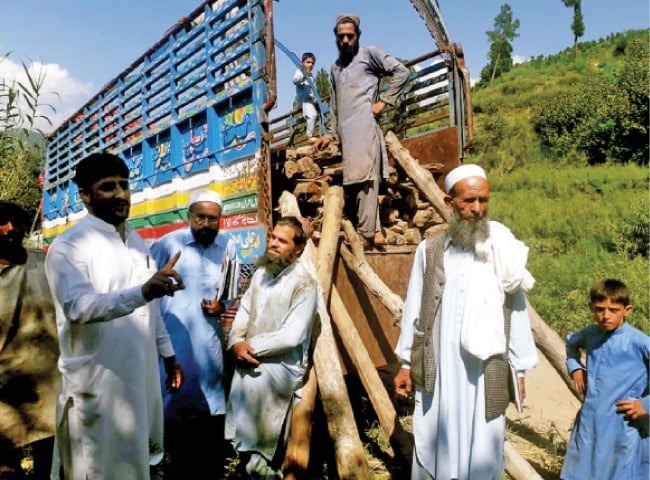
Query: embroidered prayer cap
point(348, 18)
point(99, 165)
point(461, 173)
point(205, 196)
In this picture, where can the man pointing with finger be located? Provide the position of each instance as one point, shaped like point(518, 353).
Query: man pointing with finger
point(105, 286)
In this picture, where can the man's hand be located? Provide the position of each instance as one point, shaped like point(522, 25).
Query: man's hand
point(165, 281)
point(579, 380)
point(402, 381)
point(321, 144)
point(522, 388)
point(378, 107)
point(212, 308)
point(174, 374)
point(632, 409)
point(245, 353)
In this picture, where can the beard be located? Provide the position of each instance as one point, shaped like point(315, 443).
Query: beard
point(466, 233)
point(347, 52)
point(275, 264)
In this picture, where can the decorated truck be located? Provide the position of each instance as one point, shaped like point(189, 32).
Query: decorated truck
point(196, 111)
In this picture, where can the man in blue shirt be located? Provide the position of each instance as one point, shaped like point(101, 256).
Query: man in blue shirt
point(194, 415)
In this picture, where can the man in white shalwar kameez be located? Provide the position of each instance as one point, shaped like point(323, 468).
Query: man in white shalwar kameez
point(270, 339)
point(104, 284)
point(464, 321)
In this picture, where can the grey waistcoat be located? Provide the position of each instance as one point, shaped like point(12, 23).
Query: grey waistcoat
point(426, 339)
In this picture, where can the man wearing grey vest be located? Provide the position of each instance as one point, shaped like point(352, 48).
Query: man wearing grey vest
point(464, 325)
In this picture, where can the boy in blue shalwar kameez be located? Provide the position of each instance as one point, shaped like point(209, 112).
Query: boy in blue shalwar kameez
point(610, 437)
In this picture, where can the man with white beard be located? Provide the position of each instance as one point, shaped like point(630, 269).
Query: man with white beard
point(464, 322)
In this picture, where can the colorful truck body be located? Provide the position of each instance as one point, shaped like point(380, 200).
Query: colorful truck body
point(193, 113)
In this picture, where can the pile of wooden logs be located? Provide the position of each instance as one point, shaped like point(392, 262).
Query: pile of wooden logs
point(411, 205)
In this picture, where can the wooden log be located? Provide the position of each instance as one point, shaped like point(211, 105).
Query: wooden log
point(361, 360)
point(517, 466)
point(356, 261)
point(350, 456)
point(552, 346)
point(420, 176)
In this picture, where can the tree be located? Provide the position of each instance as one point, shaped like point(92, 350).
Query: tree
point(500, 53)
point(323, 85)
point(578, 24)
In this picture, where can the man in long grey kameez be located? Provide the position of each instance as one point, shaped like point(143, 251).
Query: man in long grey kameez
point(270, 339)
point(356, 103)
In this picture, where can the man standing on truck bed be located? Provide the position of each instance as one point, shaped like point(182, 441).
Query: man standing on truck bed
point(356, 104)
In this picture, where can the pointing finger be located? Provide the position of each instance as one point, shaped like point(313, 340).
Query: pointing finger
point(172, 261)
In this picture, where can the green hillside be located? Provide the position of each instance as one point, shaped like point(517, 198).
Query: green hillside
point(565, 142)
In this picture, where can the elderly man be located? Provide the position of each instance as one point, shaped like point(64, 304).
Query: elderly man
point(111, 334)
point(464, 321)
point(28, 350)
point(355, 105)
point(194, 416)
point(270, 339)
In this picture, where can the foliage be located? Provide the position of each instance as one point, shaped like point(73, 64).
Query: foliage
point(323, 85)
point(582, 224)
point(21, 143)
point(568, 110)
point(500, 53)
point(601, 119)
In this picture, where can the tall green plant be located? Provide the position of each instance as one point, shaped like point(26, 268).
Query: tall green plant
point(578, 23)
point(21, 141)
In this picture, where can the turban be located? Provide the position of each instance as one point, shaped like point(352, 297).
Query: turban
point(205, 196)
point(348, 18)
point(461, 173)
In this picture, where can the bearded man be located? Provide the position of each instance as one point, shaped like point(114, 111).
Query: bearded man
point(356, 103)
point(194, 415)
point(270, 340)
point(464, 322)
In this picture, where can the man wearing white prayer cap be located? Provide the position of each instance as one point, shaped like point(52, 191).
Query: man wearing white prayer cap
point(209, 267)
point(464, 329)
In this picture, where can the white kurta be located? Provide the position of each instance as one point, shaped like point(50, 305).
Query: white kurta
point(452, 437)
point(109, 417)
point(275, 317)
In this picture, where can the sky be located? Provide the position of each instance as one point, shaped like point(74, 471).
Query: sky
point(83, 44)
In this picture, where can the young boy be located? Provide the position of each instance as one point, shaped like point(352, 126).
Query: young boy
point(304, 95)
point(610, 436)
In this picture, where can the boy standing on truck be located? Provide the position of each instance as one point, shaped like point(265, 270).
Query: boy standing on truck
point(610, 437)
point(304, 93)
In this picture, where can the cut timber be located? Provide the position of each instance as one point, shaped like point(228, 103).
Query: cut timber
point(517, 466)
point(420, 176)
point(350, 456)
point(552, 346)
point(356, 261)
point(372, 383)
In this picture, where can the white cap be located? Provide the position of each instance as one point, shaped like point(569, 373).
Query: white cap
point(461, 173)
point(205, 196)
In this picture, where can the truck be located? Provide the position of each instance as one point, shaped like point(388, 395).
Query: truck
point(196, 111)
